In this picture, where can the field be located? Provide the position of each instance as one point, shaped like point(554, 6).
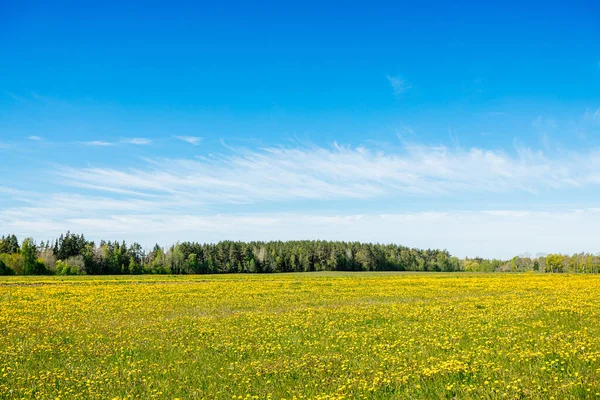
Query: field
point(286, 336)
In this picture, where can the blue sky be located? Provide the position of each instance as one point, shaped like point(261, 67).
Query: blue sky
point(471, 127)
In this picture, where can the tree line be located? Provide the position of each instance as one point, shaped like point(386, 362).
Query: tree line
point(72, 254)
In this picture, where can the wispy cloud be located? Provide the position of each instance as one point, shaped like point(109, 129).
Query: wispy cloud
point(137, 141)
point(592, 116)
point(340, 172)
point(36, 138)
point(14, 192)
point(195, 140)
point(197, 199)
point(544, 124)
point(133, 141)
point(398, 84)
point(403, 131)
point(98, 143)
point(17, 98)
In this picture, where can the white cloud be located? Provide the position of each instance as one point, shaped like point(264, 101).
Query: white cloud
point(319, 173)
point(137, 141)
point(36, 138)
point(12, 191)
point(195, 140)
point(497, 233)
point(177, 199)
point(98, 143)
point(398, 84)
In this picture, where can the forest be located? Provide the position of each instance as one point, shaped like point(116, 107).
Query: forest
point(72, 254)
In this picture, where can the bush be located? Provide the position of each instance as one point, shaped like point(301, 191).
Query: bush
point(14, 262)
point(4, 270)
point(70, 266)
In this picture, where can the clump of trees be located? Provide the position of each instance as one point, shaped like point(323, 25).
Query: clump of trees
point(72, 254)
point(557, 263)
point(20, 260)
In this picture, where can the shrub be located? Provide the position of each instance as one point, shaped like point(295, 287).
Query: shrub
point(4, 270)
point(70, 266)
point(14, 262)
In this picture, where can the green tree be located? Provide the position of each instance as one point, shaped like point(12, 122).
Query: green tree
point(31, 265)
point(134, 266)
point(9, 244)
point(555, 263)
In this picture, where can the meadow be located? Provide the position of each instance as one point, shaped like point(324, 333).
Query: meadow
point(301, 336)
